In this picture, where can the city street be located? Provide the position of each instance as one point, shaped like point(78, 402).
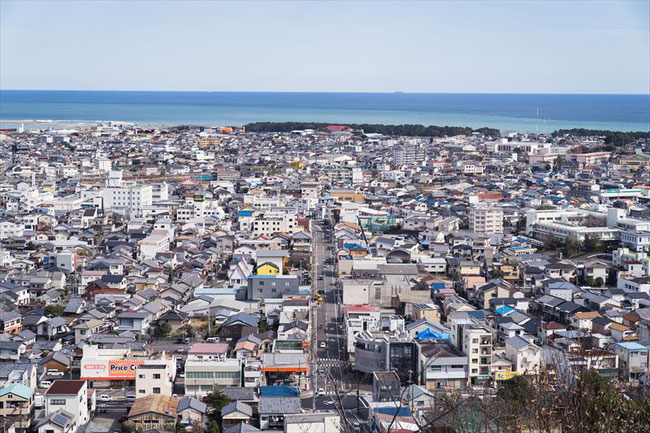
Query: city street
point(329, 339)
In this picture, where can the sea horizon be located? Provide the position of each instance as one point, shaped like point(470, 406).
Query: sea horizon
point(522, 112)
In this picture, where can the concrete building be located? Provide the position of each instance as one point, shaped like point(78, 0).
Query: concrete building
point(477, 346)
point(152, 379)
point(486, 220)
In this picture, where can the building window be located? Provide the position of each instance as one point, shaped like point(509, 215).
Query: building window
point(156, 390)
point(57, 402)
point(156, 376)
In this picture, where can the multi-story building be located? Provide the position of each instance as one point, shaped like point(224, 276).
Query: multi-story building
point(207, 366)
point(444, 366)
point(272, 222)
point(17, 400)
point(380, 351)
point(151, 379)
point(486, 220)
point(477, 346)
point(409, 154)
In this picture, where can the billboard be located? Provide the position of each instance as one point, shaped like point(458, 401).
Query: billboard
point(109, 369)
point(123, 369)
point(504, 375)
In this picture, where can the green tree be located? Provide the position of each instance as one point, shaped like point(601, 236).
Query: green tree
point(212, 427)
point(165, 329)
point(599, 282)
point(591, 244)
point(54, 310)
point(216, 400)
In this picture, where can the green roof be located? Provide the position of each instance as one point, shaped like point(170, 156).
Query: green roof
point(17, 389)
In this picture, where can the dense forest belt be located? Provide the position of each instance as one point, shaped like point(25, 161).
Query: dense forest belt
point(404, 130)
point(616, 138)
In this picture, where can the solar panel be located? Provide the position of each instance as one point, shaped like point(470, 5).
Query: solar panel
point(60, 419)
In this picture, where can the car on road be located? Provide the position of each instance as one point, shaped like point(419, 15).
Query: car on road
point(105, 397)
point(55, 373)
point(321, 391)
point(213, 340)
point(130, 398)
point(46, 383)
point(323, 345)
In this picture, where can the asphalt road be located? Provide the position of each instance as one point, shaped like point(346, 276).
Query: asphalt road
point(329, 338)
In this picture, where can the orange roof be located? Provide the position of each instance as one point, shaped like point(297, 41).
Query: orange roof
point(581, 315)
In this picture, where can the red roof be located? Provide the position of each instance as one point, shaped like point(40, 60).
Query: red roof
point(65, 387)
point(360, 308)
point(208, 348)
point(338, 128)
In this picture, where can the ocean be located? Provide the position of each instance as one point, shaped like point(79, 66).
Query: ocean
point(518, 112)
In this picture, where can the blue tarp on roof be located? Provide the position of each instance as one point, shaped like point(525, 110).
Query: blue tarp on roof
point(280, 391)
point(351, 245)
point(504, 310)
point(245, 213)
point(431, 334)
point(438, 285)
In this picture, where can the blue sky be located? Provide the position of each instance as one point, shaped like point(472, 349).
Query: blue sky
point(527, 47)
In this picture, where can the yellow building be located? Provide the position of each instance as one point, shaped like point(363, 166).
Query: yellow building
point(268, 268)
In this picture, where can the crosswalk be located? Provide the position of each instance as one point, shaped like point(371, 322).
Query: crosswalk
point(329, 362)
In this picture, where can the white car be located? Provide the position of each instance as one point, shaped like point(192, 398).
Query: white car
point(46, 383)
point(321, 391)
point(105, 397)
point(55, 373)
point(323, 345)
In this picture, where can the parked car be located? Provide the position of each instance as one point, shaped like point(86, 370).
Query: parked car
point(55, 373)
point(105, 397)
point(323, 345)
point(46, 383)
point(130, 398)
point(321, 391)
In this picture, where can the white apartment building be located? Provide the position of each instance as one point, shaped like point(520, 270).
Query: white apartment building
point(151, 379)
point(10, 228)
point(274, 222)
point(477, 345)
point(132, 198)
point(409, 154)
point(523, 146)
point(156, 242)
point(486, 220)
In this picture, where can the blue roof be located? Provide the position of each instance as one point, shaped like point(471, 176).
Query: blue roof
point(401, 411)
point(245, 213)
point(351, 245)
point(479, 314)
point(438, 285)
point(633, 345)
point(280, 391)
point(18, 389)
